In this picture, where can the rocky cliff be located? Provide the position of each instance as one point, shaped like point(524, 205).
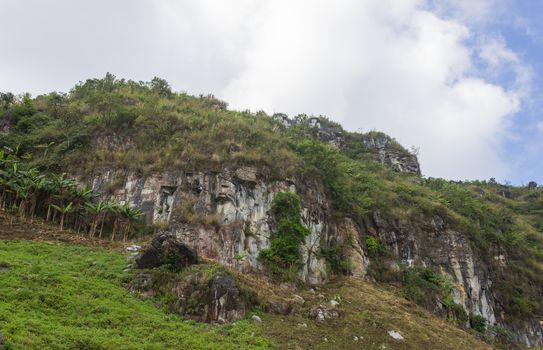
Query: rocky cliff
point(224, 216)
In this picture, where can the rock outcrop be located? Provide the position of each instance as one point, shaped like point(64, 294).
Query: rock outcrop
point(223, 216)
point(205, 295)
point(432, 243)
point(390, 153)
point(386, 150)
point(166, 249)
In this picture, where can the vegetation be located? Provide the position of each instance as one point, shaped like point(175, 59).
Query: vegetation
point(56, 198)
point(425, 287)
point(283, 257)
point(375, 248)
point(145, 127)
point(478, 323)
point(57, 296)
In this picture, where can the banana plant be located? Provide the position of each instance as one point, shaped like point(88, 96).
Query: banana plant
point(64, 210)
point(131, 216)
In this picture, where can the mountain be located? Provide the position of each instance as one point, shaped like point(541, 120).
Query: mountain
point(294, 199)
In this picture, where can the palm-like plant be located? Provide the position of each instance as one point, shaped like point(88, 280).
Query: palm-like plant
point(131, 216)
point(64, 210)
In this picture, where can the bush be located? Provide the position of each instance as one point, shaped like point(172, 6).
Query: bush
point(333, 253)
point(478, 323)
point(375, 248)
point(283, 258)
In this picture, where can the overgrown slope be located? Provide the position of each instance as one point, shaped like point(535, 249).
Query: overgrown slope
point(71, 296)
point(105, 124)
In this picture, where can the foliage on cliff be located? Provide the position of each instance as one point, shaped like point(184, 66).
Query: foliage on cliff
point(283, 257)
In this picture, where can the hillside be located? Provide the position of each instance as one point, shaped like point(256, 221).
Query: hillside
point(72, 296)
point(470, 251)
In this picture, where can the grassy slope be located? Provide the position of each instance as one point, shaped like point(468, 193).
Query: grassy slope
point(58, 296)
point(367, 311)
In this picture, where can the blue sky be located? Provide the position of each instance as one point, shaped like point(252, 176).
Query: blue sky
point(461, 80)
point(522, 28)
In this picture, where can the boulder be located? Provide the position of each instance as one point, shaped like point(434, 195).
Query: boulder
point(166, 249)
point(279, 307)
point(212, 298)
point(224, 301)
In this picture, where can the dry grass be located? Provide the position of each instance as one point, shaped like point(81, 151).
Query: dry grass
point(367, 311)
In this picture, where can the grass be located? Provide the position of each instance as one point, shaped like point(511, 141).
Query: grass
point(367, 311)
point(58, 296)
point(69, 294)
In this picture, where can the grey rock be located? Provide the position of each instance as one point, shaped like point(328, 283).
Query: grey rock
point(279, 307)
point(298, 299)
point(256, 319)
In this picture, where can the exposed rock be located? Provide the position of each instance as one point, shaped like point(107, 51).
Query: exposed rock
point(166, 249)
point(224, 303)
point(280, 307)
point(236, 204)
point(395, 335)
point(247, 174)
point(133, 248)
point(203, 296)
point(320, 313)
point(390, 153)
point(256, 319)
point(243, 228)
point(328, 132)
point(298, 299)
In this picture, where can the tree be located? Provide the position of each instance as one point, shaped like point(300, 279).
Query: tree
point(64, 210)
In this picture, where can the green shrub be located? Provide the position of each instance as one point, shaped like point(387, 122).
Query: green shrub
point(478, 323)
point(375, 248)
point(283, 257)
point(334, 254)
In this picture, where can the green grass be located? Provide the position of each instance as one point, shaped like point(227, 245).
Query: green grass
point(57, 296)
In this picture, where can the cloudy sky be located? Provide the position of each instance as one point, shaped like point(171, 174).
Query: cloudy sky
point(459, 79)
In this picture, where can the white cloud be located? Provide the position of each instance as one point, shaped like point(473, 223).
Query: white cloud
point(409, 67)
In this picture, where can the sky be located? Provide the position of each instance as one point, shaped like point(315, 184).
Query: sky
point(459, 80)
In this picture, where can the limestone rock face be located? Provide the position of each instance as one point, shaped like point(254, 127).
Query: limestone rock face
point(431, 243)
point(223, 216)
point(390, 153)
